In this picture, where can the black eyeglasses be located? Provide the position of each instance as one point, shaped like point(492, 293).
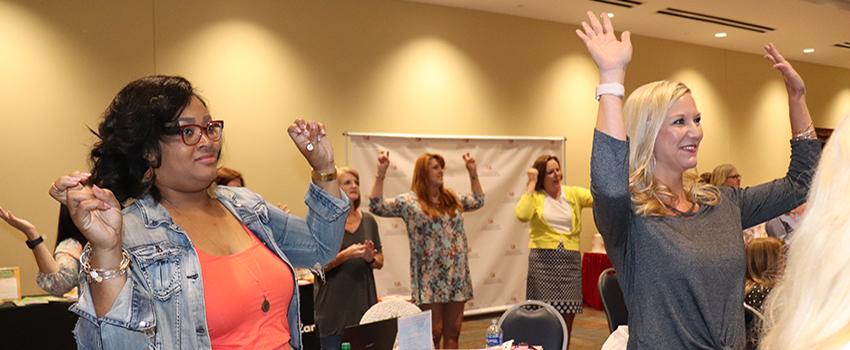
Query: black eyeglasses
point(191, 133)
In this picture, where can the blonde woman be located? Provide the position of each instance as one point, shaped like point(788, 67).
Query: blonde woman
point(808, 308)
point(676, 243)
point(553, 212)
point(726, 175)
point(439, 268)
point(348, 289)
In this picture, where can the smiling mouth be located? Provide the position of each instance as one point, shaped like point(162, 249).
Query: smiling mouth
point(689, 148)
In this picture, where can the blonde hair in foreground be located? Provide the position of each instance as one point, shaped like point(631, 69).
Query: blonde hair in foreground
point(645, 111)
point(810, 306)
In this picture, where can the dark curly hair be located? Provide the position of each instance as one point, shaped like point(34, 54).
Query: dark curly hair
point(128, 148)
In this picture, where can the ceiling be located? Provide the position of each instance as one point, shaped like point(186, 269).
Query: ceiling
point(792, 25)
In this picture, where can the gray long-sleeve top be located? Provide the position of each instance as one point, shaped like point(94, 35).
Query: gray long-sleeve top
point(683, 277)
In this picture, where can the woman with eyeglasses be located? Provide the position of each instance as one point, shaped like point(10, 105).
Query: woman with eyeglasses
point(726, 175)
point(676, 243)
point(185, 264)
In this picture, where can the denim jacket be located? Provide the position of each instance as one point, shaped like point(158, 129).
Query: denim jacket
point(161, 306)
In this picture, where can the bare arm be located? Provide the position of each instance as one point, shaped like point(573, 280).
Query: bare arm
point(383, 164)
point(611, 57)
point(798, 110)
point(43, 257)
point(351, 252)
point(471, 167)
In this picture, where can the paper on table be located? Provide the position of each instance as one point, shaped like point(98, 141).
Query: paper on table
point(10, 283)
point(414, 332)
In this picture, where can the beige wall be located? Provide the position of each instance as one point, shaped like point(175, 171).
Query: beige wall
point(377, 66)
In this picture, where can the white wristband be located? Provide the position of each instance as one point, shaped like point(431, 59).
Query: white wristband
point(615, 89)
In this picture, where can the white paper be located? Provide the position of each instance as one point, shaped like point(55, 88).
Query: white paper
point(9, 283)
point(414, 332)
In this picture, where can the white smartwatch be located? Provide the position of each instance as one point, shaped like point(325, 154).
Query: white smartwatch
point(615, 89)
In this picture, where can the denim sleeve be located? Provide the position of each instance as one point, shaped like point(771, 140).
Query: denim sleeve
point(316, 239)
point(128, 324)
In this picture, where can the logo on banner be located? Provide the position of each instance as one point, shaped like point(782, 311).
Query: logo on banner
point(395, 229)
point(493, 279)
point(488, 171)
point(513, 250)
point(491, 225)
point(510, 198)
point(397, 288)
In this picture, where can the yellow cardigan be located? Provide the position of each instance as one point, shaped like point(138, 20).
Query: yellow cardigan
point(541, 235)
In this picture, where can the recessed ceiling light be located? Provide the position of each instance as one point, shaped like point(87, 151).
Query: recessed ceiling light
point(720, 35)
point(610, 15)
point(808, 51)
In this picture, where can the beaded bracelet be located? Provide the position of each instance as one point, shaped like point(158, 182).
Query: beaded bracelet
point(100, 275)
point(806, 134)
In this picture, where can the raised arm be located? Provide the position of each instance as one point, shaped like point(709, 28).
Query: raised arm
point(801, 120)
point(611, 57)
point(471, 167)
point(383, 164)
point(97, 214)
point(46, 263)
point(524, 208)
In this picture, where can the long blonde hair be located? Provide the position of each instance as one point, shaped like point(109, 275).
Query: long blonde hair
point(447, 203)
point(645, 111)
point(808, 309)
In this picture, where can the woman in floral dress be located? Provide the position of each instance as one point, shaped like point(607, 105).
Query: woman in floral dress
point(439, 268)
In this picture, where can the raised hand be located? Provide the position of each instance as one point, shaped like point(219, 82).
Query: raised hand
point(22, 225)
point(470, 163)
point(97, 214)
point(611, 55)
point(383, 163)
point(793, 81)
point(58, 189)
point(532, 175)
point(311, 139)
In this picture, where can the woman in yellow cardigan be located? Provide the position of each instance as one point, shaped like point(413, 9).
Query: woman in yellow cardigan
point(554, 215)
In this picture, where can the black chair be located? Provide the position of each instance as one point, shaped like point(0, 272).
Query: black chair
point(612, 300)
point(535, 323)
point(752, 320)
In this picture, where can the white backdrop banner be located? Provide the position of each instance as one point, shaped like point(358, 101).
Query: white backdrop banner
point(498, 242)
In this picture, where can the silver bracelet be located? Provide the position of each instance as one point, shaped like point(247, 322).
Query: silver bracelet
point(808, 133)
point(100, 275)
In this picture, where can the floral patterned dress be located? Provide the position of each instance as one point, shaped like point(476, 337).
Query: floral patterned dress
point(439, 268)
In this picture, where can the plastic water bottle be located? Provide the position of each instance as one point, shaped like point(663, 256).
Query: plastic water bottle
point(493, 336)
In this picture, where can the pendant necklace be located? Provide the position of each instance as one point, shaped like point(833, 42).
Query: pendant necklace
point(266, 305)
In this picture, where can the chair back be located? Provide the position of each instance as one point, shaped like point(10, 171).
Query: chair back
point(393, 308)
point(612, 300)
point(752, 321)
point(535, 323)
